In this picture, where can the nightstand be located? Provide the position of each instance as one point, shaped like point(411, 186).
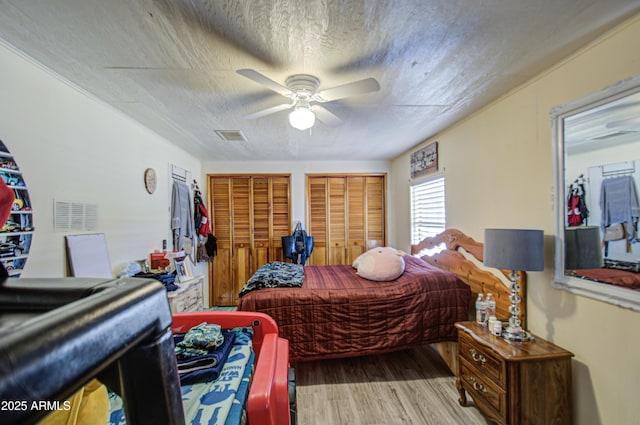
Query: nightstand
point(514, 383)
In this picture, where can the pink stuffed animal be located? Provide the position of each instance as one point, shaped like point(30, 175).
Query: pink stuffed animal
point(380, 264)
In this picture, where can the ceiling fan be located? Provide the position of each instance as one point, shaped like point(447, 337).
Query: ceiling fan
point(302, 89)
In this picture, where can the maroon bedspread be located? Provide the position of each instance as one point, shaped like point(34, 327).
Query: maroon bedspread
point(339, 314)
point(616, 277)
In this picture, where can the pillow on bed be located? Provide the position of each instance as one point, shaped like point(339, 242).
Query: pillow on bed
point(357, 261)
point(380, 264)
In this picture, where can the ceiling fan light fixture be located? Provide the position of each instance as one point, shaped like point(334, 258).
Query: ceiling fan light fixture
point(302, 118)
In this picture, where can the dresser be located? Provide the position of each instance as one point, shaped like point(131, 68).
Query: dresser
point(514, 383)
point(188, 297)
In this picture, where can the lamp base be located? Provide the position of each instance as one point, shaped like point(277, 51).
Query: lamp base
point(517, 335)
point(514, 332)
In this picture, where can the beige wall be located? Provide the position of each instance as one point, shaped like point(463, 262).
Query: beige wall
point(498, 169)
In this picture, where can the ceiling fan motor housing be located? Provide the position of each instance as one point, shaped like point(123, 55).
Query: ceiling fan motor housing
point(303, 85)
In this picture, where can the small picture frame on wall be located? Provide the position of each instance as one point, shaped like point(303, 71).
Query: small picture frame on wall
point(424, 161)
point(183, 271)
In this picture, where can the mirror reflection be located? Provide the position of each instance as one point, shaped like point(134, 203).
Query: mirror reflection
point(601, 180)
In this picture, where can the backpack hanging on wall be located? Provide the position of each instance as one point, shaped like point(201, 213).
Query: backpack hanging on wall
point(298, 246)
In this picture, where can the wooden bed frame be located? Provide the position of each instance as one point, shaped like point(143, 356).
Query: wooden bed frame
point(463, 256)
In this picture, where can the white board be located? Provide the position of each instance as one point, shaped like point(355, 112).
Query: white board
point(87, 255)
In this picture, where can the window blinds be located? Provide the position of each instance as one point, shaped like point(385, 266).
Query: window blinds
point(427, 209)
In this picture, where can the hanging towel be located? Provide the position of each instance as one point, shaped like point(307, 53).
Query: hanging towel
point(181, 218)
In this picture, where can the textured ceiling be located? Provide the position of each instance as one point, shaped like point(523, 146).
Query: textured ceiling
point(171, 64)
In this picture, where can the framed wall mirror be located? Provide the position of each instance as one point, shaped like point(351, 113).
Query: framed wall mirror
point(596, 181)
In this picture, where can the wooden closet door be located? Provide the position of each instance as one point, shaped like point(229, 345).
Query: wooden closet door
point(317, 219)
point(337, 244)
point(346, 216)
point(250, 214)
point(280, 216)
point(375, 211)
point(261, 222)
point(356, 218)
point(241, 207)
point(231, 218)
point(222, 285)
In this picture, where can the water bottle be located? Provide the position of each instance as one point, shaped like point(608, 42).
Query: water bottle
point(481, 310)
point(491, 305)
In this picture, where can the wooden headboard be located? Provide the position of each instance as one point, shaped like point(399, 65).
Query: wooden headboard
point(471, 270)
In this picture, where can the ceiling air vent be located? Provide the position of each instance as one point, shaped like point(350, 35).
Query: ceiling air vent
point(231, 135)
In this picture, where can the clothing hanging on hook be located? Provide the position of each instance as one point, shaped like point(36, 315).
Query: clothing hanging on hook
point(207, 247)
point(577, 211)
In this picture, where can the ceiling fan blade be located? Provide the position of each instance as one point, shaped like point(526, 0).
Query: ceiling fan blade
point(327, 117)
point(265, 81)
point(367, 85)
point(625, 124)
point(269, 111)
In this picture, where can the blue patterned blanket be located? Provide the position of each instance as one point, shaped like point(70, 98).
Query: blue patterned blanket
point(275, 274)
point(218, 402)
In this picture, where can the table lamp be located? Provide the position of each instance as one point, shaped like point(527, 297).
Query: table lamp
point(515, 250)
point(582, 248)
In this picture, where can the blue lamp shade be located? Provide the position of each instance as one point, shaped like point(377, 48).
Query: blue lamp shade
point(582, 248)
point(514, 249)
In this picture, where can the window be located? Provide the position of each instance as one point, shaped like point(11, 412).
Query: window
point(427, 209)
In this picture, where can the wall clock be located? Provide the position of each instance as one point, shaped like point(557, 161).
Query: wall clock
point(150, 180)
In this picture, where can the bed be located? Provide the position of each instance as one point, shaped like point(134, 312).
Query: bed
point(337, 314)
point(615, 272)
point(624, 278)
point(121, 332)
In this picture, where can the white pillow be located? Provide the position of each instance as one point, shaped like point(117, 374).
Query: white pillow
point(380, 264)
point(357, 261)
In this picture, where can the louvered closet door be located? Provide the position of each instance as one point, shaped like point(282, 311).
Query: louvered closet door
point(356, 218)
point(375, 212)
point(222, 286)
point(346, 216)
point(317, 219)
point(280, 216)
point(337, 220)
point(261, 222)
point(250, 214)
point(241, 206)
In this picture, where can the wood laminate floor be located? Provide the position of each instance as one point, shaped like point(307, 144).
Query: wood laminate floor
point(406, 387)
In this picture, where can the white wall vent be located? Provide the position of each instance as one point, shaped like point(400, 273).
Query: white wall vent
point(70, 215)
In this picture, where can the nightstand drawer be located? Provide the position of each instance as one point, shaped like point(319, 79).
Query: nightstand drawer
point(189, 302)
point(484, 391)
point(483, 359)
